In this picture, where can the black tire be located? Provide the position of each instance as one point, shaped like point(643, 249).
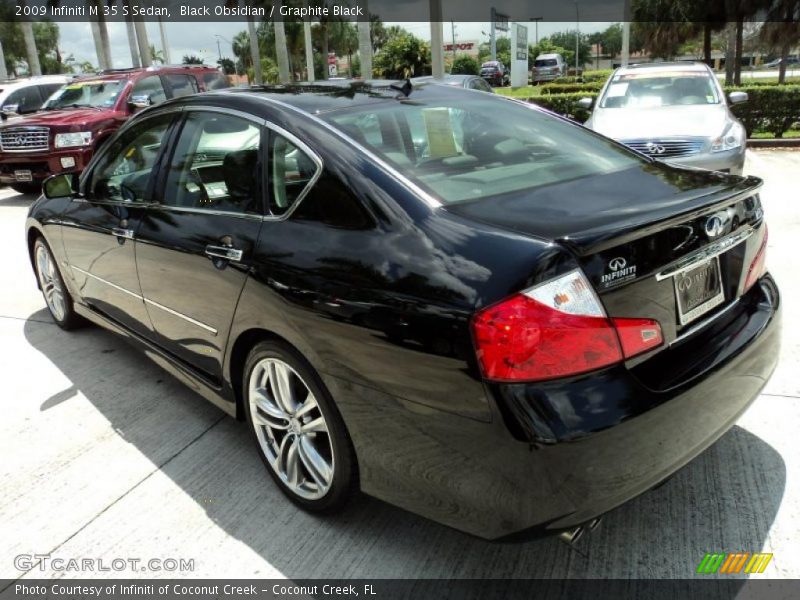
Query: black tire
point(344, 481)
point(67, 318)
point(27, 188)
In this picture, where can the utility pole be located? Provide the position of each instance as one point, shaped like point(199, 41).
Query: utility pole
point(577, 37)
point(365, 45)
point(453, 32)
point(310, 50)
point(437, 52)
point(536, 29)
point(3, 72)
point(254, 54)
point(492, 36)
point(164, 44)
point(626, 34)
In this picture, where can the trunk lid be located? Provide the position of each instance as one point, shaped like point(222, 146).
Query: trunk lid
point(633, 233)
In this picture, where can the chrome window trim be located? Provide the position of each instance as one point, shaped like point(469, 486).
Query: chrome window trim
point(428, 198)
point(203, 211)
point(147, 300)
point(710, 251)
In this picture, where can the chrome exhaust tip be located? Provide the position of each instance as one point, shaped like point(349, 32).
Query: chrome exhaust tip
point(571, 536)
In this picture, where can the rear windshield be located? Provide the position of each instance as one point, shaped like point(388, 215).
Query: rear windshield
point(100, 94)
point(660, 88)
point(546, 62)
point(475, 147)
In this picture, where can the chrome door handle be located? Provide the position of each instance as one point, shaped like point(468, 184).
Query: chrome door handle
point(122, 233)
point(225, 252)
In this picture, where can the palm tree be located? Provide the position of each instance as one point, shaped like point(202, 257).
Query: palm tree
point(156, 56)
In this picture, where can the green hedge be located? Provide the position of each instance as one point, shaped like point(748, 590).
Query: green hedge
point(570, 88)
point(769, 108)
point(586, 77)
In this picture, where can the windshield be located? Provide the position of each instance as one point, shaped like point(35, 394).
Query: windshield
point(100, 94)
point(468, 147)
point(546, 62)
point(660, 88)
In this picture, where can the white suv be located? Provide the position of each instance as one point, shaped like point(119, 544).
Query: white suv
point(20, 96)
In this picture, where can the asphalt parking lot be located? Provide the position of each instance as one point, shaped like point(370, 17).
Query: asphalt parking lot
point(106, 456)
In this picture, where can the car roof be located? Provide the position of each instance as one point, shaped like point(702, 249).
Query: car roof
point(11, 84)
point(112, 74)
point(324, 96)
point(449, 78)
point(664, 66)
point(550, 55)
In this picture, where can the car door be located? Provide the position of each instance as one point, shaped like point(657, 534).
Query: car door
point(195, 246)
point(100, 227)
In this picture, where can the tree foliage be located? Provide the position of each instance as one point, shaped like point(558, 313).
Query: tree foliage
point(465, 65)
point(403, 55)
point(45, 34)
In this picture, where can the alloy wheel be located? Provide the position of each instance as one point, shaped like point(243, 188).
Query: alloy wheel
point(291, 428)
point(50, 282)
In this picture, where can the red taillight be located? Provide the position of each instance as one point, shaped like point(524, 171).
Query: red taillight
point(638, 335)
point(758, 267)
point(556, 329)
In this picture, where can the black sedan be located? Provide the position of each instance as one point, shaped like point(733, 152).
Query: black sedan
point(455, 302)
point(470, 82)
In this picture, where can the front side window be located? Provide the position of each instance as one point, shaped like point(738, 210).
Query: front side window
point(123, 173)
point(468, 148)
point(215, 165)
point(214, 80)
point(660, 88)
point(93, 94)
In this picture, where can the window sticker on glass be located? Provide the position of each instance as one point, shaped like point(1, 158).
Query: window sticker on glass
point(617, 89)
point(441, 141)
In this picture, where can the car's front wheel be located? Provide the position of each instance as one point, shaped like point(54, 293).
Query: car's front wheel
point(298, 431)
point(55, 293)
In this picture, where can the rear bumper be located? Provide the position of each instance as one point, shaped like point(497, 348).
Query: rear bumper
point(538, 77)
point(564, 452)
point(42, 164)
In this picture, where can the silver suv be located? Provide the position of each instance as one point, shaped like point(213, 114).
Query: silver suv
point(677, 112)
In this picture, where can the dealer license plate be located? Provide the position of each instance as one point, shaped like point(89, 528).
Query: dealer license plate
point(23, 175)
point(698, 290)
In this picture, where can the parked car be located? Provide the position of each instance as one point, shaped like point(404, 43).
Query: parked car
point(81, 116)
point(22, 96)
point(672, 111)
point(470, 82)
point(495, 73)
point(791, 61)
point(547, 67)
point(517, 324)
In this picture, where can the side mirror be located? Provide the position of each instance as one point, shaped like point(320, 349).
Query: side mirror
point(737, 97)
point(10, 108)
point(140, 101)
point(585, 103)
point(63, 185)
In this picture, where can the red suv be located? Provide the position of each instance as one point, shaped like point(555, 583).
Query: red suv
point(80, 116)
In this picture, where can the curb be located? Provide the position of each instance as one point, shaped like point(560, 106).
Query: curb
point(774, 143)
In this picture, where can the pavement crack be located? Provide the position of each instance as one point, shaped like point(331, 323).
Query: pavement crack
point(114, 502)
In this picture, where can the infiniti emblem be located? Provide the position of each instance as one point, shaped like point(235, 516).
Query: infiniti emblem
point(684, 284)
point(615, 264)
point(654, 148)
point(714, 226)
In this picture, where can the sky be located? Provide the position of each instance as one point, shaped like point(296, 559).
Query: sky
point(200, 39)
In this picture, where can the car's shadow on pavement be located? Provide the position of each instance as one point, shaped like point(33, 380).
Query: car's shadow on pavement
point(725, 500)
point(11, 199)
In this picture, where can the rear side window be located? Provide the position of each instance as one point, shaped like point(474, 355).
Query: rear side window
point(469, 148)
point(215, 81)
point(181, 85)
point(291, 170)
point(215, 165)
point(25, 100)
point(150, 87)
point(546, 62)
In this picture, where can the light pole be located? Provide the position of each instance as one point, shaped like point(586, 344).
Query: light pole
point(577, 37)
point(536, 29)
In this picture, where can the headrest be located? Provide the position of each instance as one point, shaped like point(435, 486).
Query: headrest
point(239, 171)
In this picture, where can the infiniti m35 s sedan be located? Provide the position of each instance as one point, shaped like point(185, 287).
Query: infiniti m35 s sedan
point(458, 303)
